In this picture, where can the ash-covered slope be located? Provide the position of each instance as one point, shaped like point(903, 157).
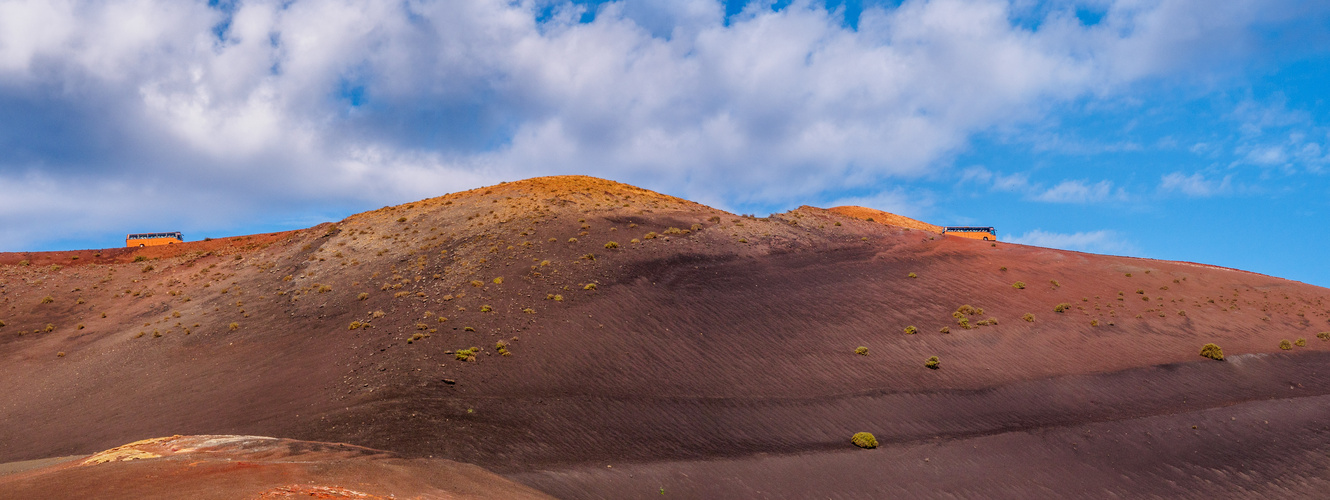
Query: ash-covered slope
point(639, 328)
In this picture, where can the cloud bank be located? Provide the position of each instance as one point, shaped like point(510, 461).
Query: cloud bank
point(198, 114)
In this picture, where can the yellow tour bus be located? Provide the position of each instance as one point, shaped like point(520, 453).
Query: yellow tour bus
point(985, 233)
point(153, 239)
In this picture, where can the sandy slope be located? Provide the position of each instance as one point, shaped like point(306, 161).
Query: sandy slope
point(722, 337)
point(224, 467)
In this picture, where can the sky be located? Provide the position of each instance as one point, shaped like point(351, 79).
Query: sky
point(1172, 129)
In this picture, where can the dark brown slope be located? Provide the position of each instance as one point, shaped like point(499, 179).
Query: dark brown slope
point(725, 336)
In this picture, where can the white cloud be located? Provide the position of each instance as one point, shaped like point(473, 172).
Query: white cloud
point(1075, 191)
point(322, 102)
point(1196, 185)
point(1103, 241)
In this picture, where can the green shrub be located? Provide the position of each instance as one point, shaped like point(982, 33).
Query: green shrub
point(911, 330)
point(933, 363)
point(912, 275)
point(465, 355)
point(362, 296)
point(945, 330)
point(861, 350)
point(469, 329)
point(1285, 345)
point(401, 219)
point(589, 286)
point(964, 322)
point(1019, 285)
point(498, 281)
point(572, 240)
point(1054, 283)
point(1094, 322)
point(377, 314)
point(48, 299)
point(1128, 275)
point(355, 325)
point(137, 258)
point(864, 440)
point(1300, 342)
point(1062, 307)
point(1322, 335)
point(611, 245)
point(486, 308)
point(1029, 317)
point(1003, 268)
point(966, 309)
point(649, 236)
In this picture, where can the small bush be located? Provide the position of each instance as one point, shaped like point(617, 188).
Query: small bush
point(401, 219)
point(1322, 335)
point(1061, 307)
point(589, 286)
point(1212, 351)
point(362, 296)
point(911, 330)
point(377, 314)
point(1003, 268)
point(1054, 283)
point(1285, 345)
point(415, 337)
point(1028, 317)
point(486, 308)
point(964, 323)
point(933, 363)
point(611, 245)
point(572, 240)
point(649, 236)
point(558, 298)
point(861, 350)
point(2, 323)
point(234, 326)
point(912, 275)
point(465, 355)
point(355, 325)
point(1094, 322)
point(945, 330)
point(864, 440)
point(60, 354)
point(498, 281)
point(469, 329)
point(137, 258)
point(529, 311)
point(1019, 285)
point(477, 283)
point(48, 299)
point(1128, 275)
point(1300, 342)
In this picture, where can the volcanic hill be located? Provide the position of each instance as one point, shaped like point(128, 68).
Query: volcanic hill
point(588, 338)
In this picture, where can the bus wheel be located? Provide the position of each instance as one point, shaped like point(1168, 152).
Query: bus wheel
point(141, 245)
point(985, 238)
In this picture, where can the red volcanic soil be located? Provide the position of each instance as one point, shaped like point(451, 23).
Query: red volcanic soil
point(880, 217)
point(703, 352)
point(201, 467)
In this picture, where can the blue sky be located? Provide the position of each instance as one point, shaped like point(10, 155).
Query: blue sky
point(1174, 129)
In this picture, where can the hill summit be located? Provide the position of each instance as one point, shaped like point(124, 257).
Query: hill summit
point(547, 328)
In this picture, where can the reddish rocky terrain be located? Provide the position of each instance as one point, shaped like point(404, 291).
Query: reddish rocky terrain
point(704, 354)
